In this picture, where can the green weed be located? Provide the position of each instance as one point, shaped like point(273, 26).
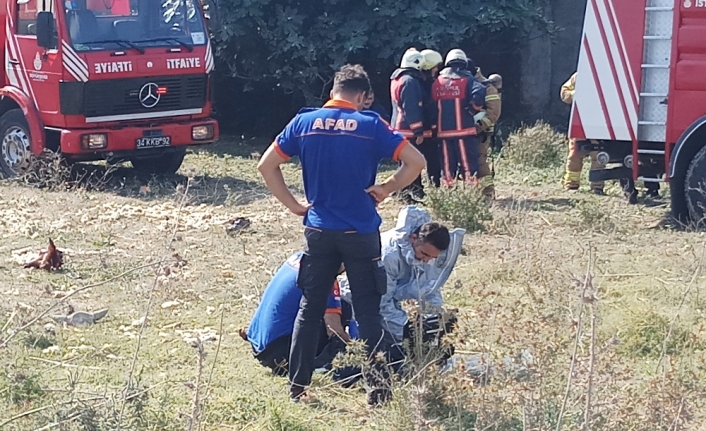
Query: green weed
point(538, 146)
point(463, 206)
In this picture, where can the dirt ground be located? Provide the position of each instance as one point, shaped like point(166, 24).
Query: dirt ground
point(158, 248)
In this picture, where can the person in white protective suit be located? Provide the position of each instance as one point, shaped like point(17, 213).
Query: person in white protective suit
point(414, 271)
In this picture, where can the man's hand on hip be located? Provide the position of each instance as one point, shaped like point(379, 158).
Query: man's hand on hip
point(300, 209)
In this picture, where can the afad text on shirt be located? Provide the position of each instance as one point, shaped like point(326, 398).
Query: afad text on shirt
point(333, 124)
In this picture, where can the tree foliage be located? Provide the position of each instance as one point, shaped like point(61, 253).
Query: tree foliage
point(298, 45)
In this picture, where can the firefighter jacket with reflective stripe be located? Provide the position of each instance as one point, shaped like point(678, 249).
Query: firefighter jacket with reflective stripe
point(430, 112)
point(492, 106)
point(567, 90)
point(458, 98)
point(407, 95)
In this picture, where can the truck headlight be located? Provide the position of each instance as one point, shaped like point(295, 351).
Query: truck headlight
point(201, 133)
point(94, 141)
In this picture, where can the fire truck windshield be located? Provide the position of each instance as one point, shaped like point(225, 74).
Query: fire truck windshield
point(95, 25)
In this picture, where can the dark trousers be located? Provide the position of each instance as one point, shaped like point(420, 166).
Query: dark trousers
point(431, 151)
point(325, 251)
point(276, 355)
point(460, 158)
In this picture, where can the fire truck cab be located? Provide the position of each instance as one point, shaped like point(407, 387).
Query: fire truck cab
point(640, 98)
point(111, 80)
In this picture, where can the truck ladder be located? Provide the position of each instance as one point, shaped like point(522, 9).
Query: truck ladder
point(652, 118)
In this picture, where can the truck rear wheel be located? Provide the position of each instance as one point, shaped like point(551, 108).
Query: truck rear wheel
point(695, 188)
point(166, 163)
point(15, 144)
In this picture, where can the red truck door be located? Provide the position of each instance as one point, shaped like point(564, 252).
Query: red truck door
point(34, 70)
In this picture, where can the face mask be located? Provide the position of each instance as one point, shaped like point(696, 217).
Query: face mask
point(409, 256)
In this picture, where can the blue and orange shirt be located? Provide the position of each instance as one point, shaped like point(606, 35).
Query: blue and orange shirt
point(340, 149)
point(275, 316)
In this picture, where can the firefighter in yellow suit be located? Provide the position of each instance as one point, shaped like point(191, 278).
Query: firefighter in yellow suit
point(574, 162)
point(486, 128)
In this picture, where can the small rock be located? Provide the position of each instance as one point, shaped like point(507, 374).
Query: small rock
point(237, 224)
point(51, 349)
point(210, 309)
point(170, 304)
point(139, 321)
point(50, 328)
point(81, 318)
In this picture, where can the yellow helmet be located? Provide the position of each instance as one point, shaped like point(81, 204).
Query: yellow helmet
point(412, 59)
point(431, 59)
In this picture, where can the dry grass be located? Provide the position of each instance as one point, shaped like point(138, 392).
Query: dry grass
point(521, 287)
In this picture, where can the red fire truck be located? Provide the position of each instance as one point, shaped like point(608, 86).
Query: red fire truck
point(640, 96)
point(111, 80)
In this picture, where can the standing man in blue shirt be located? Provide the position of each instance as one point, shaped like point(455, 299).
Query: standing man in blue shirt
point(339, 148)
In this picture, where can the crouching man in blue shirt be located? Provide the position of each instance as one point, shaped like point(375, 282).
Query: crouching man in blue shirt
point(271, 327)
point(340, 149)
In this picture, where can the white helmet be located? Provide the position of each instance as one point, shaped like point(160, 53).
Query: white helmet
point(431, 59)
point(456, 55)
point(412, 59)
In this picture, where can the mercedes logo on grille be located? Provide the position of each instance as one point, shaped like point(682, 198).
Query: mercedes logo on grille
point(149, 96)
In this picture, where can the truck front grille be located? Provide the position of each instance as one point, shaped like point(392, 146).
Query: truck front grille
point(122, 96)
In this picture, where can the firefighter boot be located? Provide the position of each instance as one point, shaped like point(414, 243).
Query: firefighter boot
point(597, 187)
point(572, 180)
point(574, 165)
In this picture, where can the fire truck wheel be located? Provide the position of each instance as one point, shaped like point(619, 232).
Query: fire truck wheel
point(168, 163)
point(695, 187)
point(15, 145)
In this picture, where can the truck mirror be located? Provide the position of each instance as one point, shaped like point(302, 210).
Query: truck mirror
point(45, 30)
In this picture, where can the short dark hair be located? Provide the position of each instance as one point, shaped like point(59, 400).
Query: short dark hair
point(435, 234)
point(351, 79)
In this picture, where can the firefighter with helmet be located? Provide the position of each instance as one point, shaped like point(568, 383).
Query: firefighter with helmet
point(574, 161)
point(486, 126)
point(459, 99)
point(431, 148)
point(407, 95)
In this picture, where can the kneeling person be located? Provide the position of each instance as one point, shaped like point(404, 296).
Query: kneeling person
point(419, 256)
point(272, 325)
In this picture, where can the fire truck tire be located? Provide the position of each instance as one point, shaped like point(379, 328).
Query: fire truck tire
point(168, 163)
point(695, 188)
point(15, 144)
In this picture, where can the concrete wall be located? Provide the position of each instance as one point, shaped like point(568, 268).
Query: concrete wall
point(546, 64)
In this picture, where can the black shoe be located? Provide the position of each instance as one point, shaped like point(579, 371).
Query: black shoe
point(296, 393)
point(598, 192)
point(631, 197)
point(652, 193)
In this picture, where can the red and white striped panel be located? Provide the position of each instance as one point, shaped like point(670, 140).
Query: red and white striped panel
point(606, 97)
point(210, 65)
point(73, 63)
point(16, 72)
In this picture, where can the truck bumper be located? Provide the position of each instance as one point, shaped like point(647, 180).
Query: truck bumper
point(124, 139)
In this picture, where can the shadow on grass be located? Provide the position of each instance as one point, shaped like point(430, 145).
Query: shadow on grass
point(235, 147)
point(128, 182)
point(535, 204)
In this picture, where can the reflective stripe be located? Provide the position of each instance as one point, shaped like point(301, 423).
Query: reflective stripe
point(458, 133)
point(464, 157)
point(416, 125)
point(492, 97)
point(573, 176)
point(447, 164)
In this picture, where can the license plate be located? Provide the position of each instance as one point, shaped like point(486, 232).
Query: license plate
point(156, 142)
